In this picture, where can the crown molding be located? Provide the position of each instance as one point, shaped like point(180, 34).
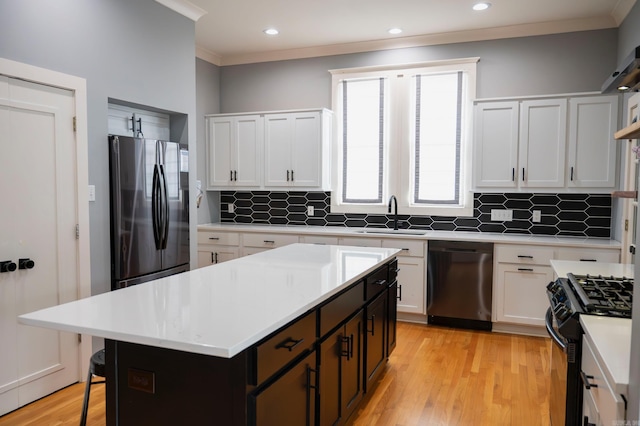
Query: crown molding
point(184, 8)
point(621, 10)
point(513, 31)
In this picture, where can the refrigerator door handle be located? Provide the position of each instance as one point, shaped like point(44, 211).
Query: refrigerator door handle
point(156, 203)
point(164, 222)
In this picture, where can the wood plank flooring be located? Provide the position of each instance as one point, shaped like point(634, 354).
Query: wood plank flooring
point(436, 376)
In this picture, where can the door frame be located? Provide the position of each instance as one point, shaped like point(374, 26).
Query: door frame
point(79, 88)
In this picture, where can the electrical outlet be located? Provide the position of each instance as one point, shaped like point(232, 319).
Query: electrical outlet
point(310, 211)
point(536, 216)
point(231, 208)
point(501, 215)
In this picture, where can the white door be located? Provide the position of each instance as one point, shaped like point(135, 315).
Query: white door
point(277, 148)
point(496, 144)
point(306, 149)
point(38, 218)
point(543, 136)
point(592, 150)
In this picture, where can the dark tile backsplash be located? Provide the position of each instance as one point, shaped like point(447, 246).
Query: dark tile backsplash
point(584, 215)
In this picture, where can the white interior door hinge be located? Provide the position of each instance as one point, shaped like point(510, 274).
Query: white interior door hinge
point(74, 124)
point(77, 232)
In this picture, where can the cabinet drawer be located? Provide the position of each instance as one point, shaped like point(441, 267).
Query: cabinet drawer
point(360, 242)
point(588, 255)
point(339, 309)
point(512, 253)
point(408, 247)
point(220, 238)
point(278, 350)
point(319, 239)
point(376, 282)
point(269, 240)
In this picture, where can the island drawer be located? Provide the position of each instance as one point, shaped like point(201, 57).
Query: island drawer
point(377, 281)
point(340, 308)
point(283, 347)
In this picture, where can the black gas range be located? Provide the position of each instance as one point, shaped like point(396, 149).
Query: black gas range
point(569, 298)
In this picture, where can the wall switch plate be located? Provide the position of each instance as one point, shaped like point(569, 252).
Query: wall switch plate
point(502, 215)
point(231, 208)
point(310, 211)
point(92, 192)
point(536, 216)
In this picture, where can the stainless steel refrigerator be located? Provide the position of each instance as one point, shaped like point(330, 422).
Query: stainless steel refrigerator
point(149, 195)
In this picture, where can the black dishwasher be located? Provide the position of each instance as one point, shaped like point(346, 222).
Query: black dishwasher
point(459, 281)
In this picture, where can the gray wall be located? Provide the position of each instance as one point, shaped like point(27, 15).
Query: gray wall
point(207, 102)
point(552, 64)
point(136, 51)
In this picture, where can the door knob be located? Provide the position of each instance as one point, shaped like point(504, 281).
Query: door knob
point(26, 263)
point(7, 266)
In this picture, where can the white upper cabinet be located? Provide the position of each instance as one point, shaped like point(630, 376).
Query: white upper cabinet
point(297, 150)
point(543, 135)
point(234, 154)
point(545, 144)
point(496, 144)
point(592, 151)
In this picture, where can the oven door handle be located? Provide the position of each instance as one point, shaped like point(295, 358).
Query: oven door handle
point(557, 338)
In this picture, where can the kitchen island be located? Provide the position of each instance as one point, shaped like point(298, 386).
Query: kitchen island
point(295, 335)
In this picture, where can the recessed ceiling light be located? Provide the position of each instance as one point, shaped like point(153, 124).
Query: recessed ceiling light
point(395, 31)
point(481, 6)
point(271, 31)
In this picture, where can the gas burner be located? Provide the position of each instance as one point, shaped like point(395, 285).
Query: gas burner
point(601, 295)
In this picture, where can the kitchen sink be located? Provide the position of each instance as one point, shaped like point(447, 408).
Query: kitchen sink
point(392, 231)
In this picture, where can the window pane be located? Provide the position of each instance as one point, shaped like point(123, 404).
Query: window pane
point(437, 138)
point(362, 140)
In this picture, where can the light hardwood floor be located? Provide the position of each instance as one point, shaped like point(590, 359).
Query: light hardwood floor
point(436, 376)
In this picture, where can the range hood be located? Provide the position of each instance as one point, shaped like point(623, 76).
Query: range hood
point(627, 77)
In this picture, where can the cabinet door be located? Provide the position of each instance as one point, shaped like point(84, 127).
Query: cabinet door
point(278, 142)
point(375, 343)
point(543, 134)
point(290, 400)
point(351, 390)
point(392, 317)
point(520, 293)
point(412, 282)
point(592, 150)
point(219, 148)
point(331, 377)
point(306, 147)
point(234, 151)
point(247, 155)
point(496, 144)
point(205, 257)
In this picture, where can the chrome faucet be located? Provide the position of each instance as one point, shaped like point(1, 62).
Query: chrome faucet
point(395, 211)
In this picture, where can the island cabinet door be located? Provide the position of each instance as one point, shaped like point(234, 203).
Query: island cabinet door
point(291, 399)
point(340, 369)
point(375, 339)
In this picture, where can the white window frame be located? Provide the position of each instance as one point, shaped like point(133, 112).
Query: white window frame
point(401, 156)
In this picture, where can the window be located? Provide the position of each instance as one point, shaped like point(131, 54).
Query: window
point(404, 131)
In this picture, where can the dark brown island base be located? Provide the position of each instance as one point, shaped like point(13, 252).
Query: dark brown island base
point(313, 371)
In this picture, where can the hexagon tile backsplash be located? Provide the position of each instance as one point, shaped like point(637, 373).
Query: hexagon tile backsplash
point(583, 215)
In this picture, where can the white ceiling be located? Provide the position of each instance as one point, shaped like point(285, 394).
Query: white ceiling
point(231, 31)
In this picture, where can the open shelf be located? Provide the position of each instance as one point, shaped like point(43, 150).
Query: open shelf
point(630, 132)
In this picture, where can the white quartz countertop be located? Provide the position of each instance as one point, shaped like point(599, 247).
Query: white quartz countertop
point(340, 231)
point(563, 267)
point(222, 309)
point(611, 340)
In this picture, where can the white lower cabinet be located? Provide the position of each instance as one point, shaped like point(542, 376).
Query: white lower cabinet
point(217, 247)
point(521, 274)
point(412, 297)
point(601, 404)
point(520, 293)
